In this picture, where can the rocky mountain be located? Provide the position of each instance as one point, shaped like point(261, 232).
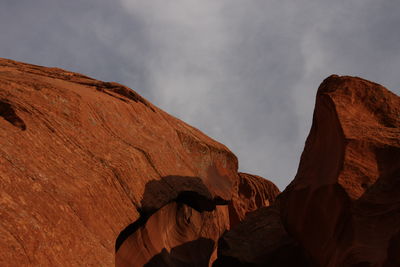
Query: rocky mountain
point(93, 174)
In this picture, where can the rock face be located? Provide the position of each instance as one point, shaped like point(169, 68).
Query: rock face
point(344, 204)
point(260, 240)
point(253, 192)
point(343, 207)
point(91, 174)
point(186, 231)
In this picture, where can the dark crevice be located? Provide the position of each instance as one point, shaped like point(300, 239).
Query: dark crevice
point(130, 229)
point(8, 113)
point(199, 202)
point(110, 94)
point(122, 91)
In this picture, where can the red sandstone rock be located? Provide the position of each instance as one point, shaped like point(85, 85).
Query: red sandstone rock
point(175, 235)
point(90, 170)
point(88, 166)
point(253, 192)
point(344, 203)
point(343, 207)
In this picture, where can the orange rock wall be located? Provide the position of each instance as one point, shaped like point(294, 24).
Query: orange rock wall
point(81, 160)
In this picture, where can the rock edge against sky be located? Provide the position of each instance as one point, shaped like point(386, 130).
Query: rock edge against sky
point(94, 174)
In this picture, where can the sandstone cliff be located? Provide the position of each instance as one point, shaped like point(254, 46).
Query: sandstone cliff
point(343, 206)
point(92, 174)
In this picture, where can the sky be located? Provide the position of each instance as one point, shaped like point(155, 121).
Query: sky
point(243, 72)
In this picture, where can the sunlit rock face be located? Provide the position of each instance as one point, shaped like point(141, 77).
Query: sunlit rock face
point(92, 174)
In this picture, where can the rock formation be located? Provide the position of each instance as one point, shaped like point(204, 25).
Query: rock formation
point(91, 173)
point(253, 192)
point(343, 207)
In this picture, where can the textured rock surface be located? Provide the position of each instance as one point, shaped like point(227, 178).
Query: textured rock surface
point(175, 235)
point(186, 231)
point(91, 174)
point(253, 192)
point(88, 166)
point(344, 203)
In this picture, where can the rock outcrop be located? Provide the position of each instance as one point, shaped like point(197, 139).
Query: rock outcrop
point(92, 174)
point(343, 207)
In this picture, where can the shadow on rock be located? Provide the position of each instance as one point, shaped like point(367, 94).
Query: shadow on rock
point(158, 193)
point(195, 253)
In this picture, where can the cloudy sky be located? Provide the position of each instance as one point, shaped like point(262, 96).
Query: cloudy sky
point(243, 72)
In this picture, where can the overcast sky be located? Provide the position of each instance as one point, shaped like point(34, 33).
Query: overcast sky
point(243, 72)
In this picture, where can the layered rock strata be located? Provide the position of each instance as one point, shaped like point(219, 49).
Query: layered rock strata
point(90, 169)
point(92, 174)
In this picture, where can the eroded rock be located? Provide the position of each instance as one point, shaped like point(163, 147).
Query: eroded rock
point(342, 208)
point(88, 167)
point(343, 205)
point(92, 174)
point(252, 192)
